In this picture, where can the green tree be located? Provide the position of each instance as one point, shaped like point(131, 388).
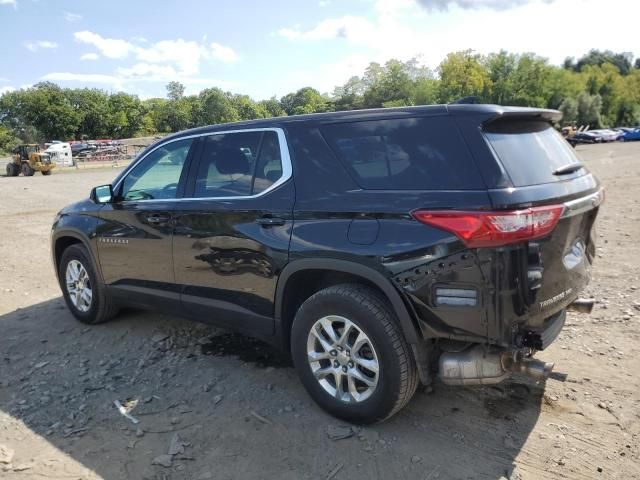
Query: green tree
point(589, 110)
point(501, 67)
point(272, 107)
point(569, 109)
point(350, 95)
point(622, 61)
point(389, 86)
point(47, 108)
point(216, 107)
point(175, 90)
point(463, 74)
point(7, 140)
point(531, 81)
point(305, 100)
point(126, 114)
point(92, 107)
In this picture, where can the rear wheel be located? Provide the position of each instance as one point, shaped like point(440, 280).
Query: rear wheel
point(27, 171)
point(351, 355)
point(12, 170)
point(84, 294)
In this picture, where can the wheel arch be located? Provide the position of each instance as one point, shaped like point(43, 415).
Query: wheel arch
point(63, 240)
point(338, 271)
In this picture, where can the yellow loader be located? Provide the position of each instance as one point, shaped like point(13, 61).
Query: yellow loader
point(28, 159)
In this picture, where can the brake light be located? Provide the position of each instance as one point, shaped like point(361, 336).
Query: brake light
point(494, 229)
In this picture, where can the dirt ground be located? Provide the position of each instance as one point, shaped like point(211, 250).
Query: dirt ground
point(215, 406)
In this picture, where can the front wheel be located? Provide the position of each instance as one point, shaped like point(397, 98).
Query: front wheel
point(351, 355)
point(83, 292)
point(12, 170)
point(27, 171)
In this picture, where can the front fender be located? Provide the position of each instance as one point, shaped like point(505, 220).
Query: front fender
point(79, 228)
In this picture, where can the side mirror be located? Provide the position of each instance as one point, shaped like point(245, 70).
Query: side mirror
point(101, 194)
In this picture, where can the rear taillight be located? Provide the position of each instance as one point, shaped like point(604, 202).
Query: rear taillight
point(494, 229)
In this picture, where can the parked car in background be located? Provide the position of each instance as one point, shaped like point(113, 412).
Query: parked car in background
point(606, 134)
point(630, 134)
point(584, 137)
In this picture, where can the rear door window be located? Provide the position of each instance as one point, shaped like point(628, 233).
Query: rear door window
point(531, 151)
point(405, 154)
point(238, 164)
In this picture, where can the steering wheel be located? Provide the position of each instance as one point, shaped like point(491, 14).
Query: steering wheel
point(170, 186)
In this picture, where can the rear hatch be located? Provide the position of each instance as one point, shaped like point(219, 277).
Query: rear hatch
point(547, 273)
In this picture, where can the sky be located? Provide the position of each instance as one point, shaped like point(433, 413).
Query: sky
point(272, 48)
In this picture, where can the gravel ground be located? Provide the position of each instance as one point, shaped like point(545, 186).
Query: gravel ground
point(216, 406)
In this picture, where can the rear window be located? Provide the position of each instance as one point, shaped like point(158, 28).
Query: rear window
point(531, 151)
point(405, 154)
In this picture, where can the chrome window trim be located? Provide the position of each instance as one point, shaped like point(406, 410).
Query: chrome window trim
point(285, 159)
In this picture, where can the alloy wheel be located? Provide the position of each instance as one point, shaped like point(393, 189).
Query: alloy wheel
point(343, 359)
point(78, 286)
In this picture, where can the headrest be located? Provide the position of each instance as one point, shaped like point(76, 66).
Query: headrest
point(230, 161)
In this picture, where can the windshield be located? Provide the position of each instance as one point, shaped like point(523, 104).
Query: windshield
point(532, 152)
point(32, 148)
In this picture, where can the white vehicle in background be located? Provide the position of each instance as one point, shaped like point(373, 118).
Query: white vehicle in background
point(60, 153)
point(606, 134)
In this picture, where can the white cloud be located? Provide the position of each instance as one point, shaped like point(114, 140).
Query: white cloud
point(402, 29)
point(148, 72)
point(89, 56)
point(9, 2)
point(81, 77)
point(222, 53)
point(109, 47)
point(324, 3)
point(183, 56)
point(72, 17)
point(357, 29)
point(6, 89)
point(475, 4)
point(41, 45)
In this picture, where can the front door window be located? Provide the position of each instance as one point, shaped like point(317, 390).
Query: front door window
point(158, 175)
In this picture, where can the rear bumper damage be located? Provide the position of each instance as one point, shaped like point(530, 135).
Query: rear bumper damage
point(482, 365)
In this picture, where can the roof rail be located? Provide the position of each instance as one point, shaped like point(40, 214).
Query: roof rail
point(470, 100)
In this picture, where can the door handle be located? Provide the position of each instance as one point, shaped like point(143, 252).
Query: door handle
point(270, 221)
point(157, 218)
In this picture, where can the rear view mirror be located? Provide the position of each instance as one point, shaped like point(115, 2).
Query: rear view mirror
point(102, 194)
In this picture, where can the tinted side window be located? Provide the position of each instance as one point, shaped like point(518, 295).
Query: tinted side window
point(238, 164)
point(158, 175)
point(405, 154)
point(269, 165)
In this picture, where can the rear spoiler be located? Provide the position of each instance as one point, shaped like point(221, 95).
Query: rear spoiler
point(542, 114)
point(493, 113)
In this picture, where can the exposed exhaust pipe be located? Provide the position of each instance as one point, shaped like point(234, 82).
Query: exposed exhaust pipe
point(582, 305)
point(532, 367)
point(475, 366)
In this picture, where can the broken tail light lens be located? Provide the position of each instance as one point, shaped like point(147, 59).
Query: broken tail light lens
point(494, 229)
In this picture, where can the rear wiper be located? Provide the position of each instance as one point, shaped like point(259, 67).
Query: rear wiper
point(566, 169)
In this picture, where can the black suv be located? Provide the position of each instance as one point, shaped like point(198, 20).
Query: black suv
point(380, 247)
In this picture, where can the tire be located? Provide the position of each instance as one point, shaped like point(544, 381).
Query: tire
point(100, 308)
point(368, 313)
point(12, 170)
point(46, 172)
point(27, 171)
